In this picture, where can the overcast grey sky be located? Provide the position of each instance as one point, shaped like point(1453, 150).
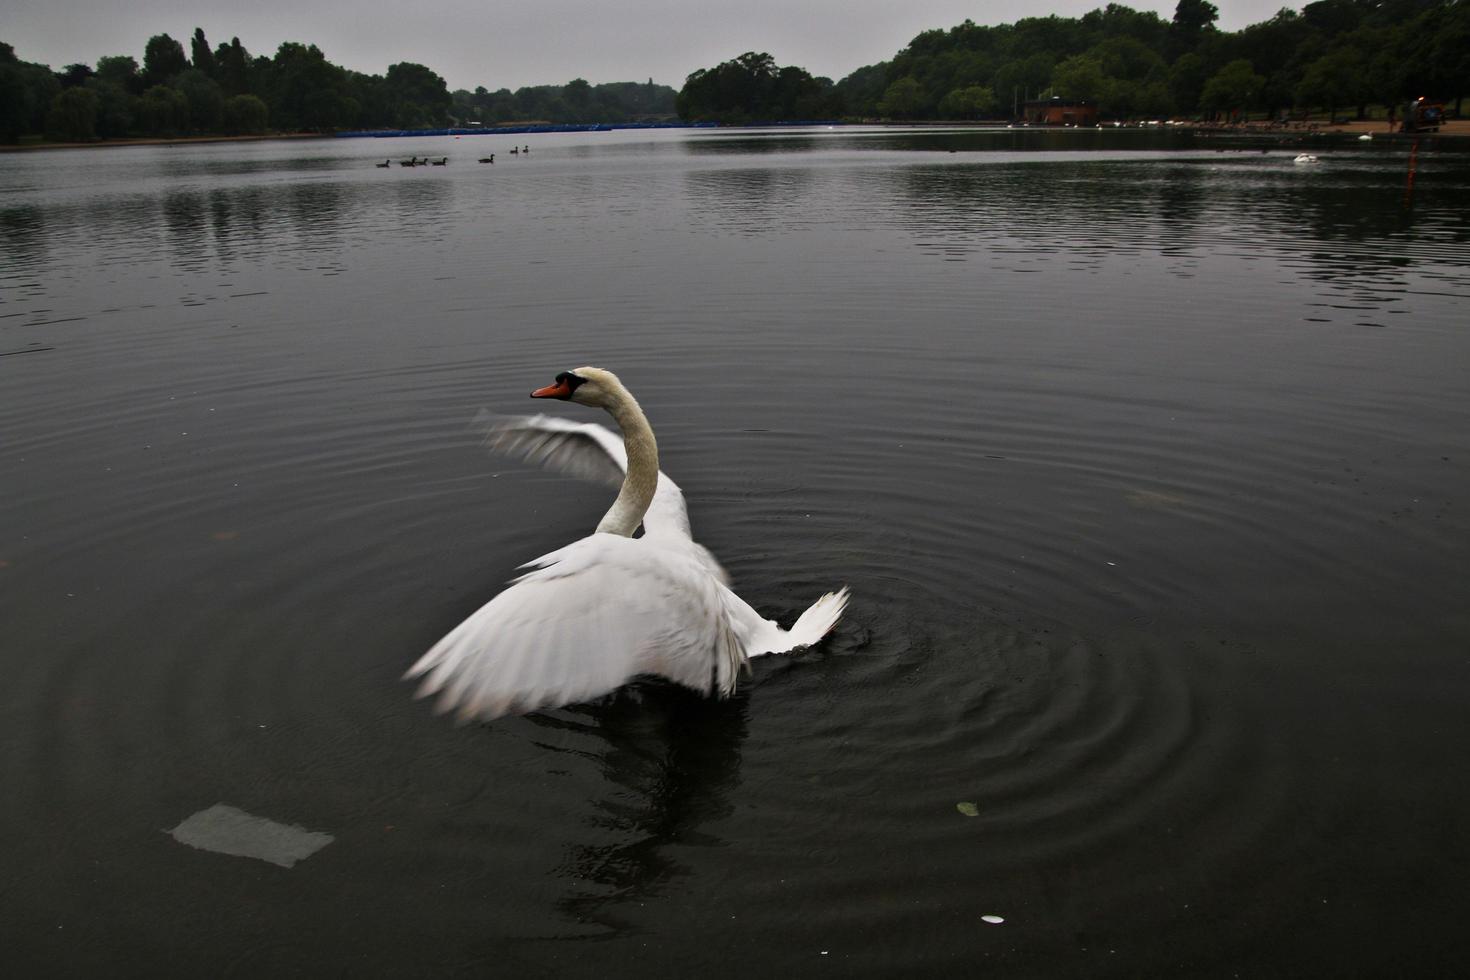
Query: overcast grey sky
point(511, 43)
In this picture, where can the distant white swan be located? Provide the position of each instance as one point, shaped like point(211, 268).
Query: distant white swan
point(1305, 158)
point(593, 615)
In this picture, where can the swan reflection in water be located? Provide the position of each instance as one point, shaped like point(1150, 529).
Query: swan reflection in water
point(597, 614)
point(669, 760)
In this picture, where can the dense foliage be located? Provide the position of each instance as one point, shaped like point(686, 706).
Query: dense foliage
point(1334, 54)
point(575, 102)
point(752, 88)
point(226, 90)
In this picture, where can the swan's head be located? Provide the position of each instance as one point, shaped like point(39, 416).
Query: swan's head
point(585, 386)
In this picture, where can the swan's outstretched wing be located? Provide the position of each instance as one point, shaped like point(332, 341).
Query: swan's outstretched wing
point(580, 449)
point(585, 450)
point(587, 619)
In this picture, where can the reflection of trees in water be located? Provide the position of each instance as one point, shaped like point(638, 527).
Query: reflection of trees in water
point(670, 758)
point(23, 239)
point(757, 144)
point(316, 212)
point(1032, 207)
point(751, 201)
point(184, 229)
point(254, 221)
point(1244, 205)
point(238, 220)
point(932, 141)
point(420, 204)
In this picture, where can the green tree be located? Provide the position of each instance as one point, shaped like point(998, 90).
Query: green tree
point(1186, 81)
point(797, 95)
point(971, 102)
point(304, 89)
point(206, 101)
point(73, 114)
point(1333, 17)
point(1126, 57)
point(114, 108)
point(1192, 17)
point(578, 94)
point(122, 71)
point(1118, 21)
point(163, 58)
point(200, 55)
point(1335, 79)
point(163, 111)
point(1024, 78)
point(904, 99)
point(419, 95)
point(1272, 47)
point(1448, 66)
point(73, 76)
point(1079, 77)
point(232, 67)
point(26, 91)
point(245, 115)
point(1236, 86)
point(749, 88)
point(858, 94)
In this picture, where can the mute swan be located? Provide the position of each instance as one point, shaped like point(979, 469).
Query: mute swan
point(591, 616)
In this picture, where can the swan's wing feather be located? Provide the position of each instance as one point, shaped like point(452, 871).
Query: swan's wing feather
point(585, 450)
point(586, 620)
point(581, 449)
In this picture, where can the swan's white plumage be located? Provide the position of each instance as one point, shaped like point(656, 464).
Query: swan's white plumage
point(589, 617)
point(589, 451)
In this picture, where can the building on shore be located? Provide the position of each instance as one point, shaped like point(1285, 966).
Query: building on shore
point(1058, 111)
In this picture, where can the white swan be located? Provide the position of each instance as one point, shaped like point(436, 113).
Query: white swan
point(593, 615)
point(1305, 158)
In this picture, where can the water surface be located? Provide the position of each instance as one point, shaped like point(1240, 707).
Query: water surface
point(1147, 460)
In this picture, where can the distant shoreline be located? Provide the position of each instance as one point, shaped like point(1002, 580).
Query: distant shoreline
point(1377, 127)
point(158, 141)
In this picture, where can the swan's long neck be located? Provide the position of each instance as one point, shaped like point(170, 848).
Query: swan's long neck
point(642, 478)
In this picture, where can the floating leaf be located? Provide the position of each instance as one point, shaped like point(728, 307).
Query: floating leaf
point(968, 809)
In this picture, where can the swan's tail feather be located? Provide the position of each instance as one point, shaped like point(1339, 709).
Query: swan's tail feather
point(818, 620)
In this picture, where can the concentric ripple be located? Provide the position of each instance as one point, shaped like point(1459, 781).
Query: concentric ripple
point(1146, 465)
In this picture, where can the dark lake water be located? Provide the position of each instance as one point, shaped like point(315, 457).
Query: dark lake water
point(1147, 461)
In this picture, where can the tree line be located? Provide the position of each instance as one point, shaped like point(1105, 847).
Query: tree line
point(1332, 55)
point(578, 101)
point(225, 90)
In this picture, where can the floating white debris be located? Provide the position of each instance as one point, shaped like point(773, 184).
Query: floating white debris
point(994, 920)
point(227, 830)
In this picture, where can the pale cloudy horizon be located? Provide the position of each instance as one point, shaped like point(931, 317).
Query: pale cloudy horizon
point(545, 43)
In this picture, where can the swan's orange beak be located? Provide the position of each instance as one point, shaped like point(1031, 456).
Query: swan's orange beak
point(562, 389)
